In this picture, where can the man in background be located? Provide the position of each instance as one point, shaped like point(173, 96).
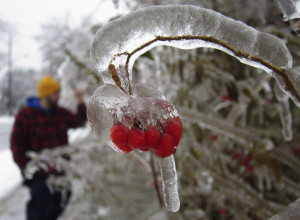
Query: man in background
point(42, 124)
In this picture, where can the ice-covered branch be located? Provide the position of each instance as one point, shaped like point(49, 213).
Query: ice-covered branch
point(118, 44)
point(239, 190)
point(287, 158)
point(220, 126)
point(289, 8)
point(284, 113)
point(291, 212)
point(82, 65)
point(291, 13)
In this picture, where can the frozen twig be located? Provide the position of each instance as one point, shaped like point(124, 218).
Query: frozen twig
point(292, 212)
point(285, 114)
point(155, 180)
point(220, 126)
point(119, 43)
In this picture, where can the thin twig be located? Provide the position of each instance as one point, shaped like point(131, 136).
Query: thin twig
point(82, 65)
point(159, 197)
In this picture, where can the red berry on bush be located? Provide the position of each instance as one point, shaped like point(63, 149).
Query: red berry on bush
point(222, 211)
point(119, 136)
point(136, 138)
point(248, 158)
point(213, 137)
point(165, 146)
point(152, 136)
point(249, 168)
point(174, 128)
point(226, 98)
point(236, 155)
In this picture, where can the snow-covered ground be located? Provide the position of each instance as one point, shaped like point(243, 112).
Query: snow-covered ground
point(10, 176)
point(12, 207)
point(12, 195)
point(5, 128)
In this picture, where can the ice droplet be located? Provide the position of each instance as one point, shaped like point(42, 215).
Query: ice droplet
point(99, 110)
point(169, 183)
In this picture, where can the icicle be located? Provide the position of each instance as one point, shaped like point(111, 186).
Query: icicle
point(284, 113)
point(169, 183)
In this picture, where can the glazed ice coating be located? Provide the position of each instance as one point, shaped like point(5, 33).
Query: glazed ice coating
point(119, 43)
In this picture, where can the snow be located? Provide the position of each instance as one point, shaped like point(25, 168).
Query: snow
point(10, 175)
point(11, 191)
point(12, 207)
point(6, 119)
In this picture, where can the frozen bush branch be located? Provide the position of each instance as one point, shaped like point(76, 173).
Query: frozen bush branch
point(292, 212)
point(82, 65)
point(119, 43)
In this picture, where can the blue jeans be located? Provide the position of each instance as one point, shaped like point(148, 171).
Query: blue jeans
point(44, 204)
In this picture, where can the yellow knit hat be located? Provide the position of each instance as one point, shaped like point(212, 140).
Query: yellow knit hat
point(47, 86)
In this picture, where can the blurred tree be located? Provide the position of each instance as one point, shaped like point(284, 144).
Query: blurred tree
point(65, 52)
point(5, 33)
point(23, 84)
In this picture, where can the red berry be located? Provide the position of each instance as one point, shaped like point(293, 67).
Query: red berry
point(236, 155)
point(119, 136)
point(295, 150)
point(248, 158)
point(136, 138)
point(213, 137)
point(242, 162)
point(226, 98)
point(249, 168)
point(222, 211)
point(165, 146)
point(174, 128)
point(152, 136)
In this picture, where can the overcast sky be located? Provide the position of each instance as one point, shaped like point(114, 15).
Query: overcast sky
point(26, 16)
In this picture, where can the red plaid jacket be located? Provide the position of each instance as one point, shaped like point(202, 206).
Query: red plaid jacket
point(35, 130)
